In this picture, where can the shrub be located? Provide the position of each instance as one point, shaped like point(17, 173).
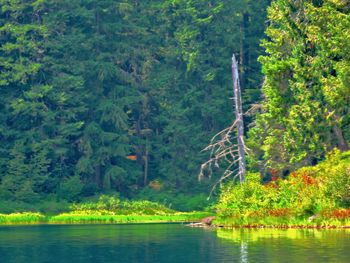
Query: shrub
point(23, 218)
point(238, 199)
point(308, 191)
point(177, 201)
point(113, 205)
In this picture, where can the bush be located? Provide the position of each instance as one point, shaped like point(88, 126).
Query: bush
point(47, 207)
point(316, 190)
point(113, 205)
point(177, 201)
point(7, 207)
point(51, 207)
point(239, 199)
point(21, 218)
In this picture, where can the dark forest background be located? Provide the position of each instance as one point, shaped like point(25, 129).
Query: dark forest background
point(120, 97)
point(112, 96)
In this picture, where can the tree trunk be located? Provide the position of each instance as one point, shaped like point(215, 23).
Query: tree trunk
point(239, 119)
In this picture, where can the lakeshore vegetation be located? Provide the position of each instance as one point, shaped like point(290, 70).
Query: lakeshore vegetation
point(317, 196)
point(106, 105)
point(106, 210)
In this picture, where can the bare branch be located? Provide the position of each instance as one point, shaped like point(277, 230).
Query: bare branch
point(221, 147)
point(253, 109)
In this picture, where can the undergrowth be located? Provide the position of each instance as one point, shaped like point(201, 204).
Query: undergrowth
point(311, 196)
point(113, 205)
point(22, 218)
point(108, 209)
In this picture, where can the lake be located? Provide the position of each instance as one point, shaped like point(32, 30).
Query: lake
point(168, 243)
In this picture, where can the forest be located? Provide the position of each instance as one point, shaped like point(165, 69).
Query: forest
point(110, 103)
point(111, 96)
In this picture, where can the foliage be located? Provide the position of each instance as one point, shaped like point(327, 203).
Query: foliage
point(21, 218)
point(70, 189)
point(107, 209)
point(321, 191)
point(85, 84)
point(177, 201)
point(75, 218)
point(72, 218)
point(48, 207)
point(306, 108)
point(112, 205)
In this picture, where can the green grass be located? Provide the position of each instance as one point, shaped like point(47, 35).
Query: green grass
point(105, 210)
point(22, 218)
point(73, 218)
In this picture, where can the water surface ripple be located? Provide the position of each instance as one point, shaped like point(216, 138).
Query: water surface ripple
point(168, 243)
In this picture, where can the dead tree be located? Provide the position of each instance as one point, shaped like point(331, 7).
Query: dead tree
point(222, 148)
point(239, 119)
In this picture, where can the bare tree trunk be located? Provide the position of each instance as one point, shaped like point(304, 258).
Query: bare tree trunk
point(222, 147)
point(239, 119)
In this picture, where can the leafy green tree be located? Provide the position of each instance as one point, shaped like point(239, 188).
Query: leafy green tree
point(306, 87)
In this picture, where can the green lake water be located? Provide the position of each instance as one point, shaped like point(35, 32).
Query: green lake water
point(168, 243)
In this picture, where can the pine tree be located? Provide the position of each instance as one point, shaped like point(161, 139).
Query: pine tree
point(306, 87)
point(85, 84)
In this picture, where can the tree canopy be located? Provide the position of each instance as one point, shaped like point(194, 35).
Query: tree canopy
point(307, 93)
point(111, 95)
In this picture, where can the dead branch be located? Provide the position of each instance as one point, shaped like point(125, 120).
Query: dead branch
point(254, 109)
point(222, 149)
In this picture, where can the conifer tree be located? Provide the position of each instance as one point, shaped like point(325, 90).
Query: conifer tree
point(306, 87)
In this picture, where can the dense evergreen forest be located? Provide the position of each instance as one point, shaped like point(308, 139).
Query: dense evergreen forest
point(120, 97)
point(103, 96)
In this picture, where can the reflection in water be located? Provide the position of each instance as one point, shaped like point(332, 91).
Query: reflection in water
point(290, 245)
point(244, 252)
point(168, 243)
point(256, 234)
point(111, 243)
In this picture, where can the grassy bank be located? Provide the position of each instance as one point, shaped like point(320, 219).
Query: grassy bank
point(22, 218)
point(72, 218)
point(317, 196)
point(121, 219)
point(107, 210)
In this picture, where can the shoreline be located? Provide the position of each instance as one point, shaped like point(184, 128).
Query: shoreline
point(73, 218)
point(325, 223)
point(279, 227)
point(185, 223)
point(190, 219)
